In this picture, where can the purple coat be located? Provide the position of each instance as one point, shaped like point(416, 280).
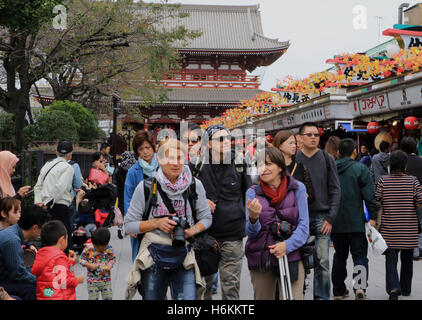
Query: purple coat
point(256, 250)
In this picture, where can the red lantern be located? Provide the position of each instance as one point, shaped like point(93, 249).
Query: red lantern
point(373, 127)
point(411, 123)
point(321, 131)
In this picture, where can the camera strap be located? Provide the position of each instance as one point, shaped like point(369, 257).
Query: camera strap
point(167, 201)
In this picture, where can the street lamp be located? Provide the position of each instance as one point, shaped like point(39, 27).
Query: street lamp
point(115, 98)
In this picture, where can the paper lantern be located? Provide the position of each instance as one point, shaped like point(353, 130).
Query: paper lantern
point(373, 127)
point(411, 123)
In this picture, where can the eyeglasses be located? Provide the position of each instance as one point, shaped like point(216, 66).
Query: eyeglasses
point(309, 135)
point(222, 138)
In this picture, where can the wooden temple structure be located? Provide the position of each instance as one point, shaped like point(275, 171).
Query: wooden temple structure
point(213, 74)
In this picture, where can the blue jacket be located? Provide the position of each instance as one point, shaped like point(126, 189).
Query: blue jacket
point(77, 178)
point(133, 177)
point(12, 267)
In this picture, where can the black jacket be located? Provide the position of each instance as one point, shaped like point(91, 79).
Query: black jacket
point(119, 177)
point(414, 166)
point(226, 186)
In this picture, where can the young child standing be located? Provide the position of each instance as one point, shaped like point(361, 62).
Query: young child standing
point(10, 212)
point(56, 279)
point(98, 257)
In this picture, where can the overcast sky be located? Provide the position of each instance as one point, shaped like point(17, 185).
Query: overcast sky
point(317, 30)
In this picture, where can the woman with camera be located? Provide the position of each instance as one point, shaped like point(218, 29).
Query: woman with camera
point(165, 255)
point(276, 199)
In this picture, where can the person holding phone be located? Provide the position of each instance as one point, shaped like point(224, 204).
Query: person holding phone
point(8, 163)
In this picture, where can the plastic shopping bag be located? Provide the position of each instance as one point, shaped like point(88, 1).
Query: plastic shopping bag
point(375, 240)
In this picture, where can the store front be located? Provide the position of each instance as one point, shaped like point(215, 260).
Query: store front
point(387, 104)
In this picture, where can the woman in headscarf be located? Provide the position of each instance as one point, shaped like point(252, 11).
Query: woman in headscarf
point(8, 163)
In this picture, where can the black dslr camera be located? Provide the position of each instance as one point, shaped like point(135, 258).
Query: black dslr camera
point(281, 230)
point(179, 231)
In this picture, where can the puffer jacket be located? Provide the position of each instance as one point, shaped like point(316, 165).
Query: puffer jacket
point(55, 276)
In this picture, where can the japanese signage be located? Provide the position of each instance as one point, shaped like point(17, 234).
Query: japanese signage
point(294, 97)
point(313, 115)
point(406, 38)
point(374, 104)
point(405, 98)
point(278, 124)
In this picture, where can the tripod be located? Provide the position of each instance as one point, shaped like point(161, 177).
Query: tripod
point(286, 285)
point(282, 231)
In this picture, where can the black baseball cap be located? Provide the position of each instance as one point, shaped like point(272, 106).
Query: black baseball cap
point(64, 147)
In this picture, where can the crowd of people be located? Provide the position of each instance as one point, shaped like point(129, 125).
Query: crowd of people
point(175, 192)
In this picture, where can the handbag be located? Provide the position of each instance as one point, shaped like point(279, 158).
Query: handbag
point(97, 176)
point(168, 257)
point(207, 253)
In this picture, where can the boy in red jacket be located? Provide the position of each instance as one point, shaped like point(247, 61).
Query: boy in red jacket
point(54, 270)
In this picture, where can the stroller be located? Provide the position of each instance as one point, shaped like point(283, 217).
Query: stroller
point(97, 212)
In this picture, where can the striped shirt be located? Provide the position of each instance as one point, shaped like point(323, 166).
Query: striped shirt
point(398, 196)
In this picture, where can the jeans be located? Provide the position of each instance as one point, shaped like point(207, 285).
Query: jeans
point(404, 284)
point(155, 281)
point(357, 244)
point(322, 271)
point(134, 242)
point(25, 291)
point(215, 282)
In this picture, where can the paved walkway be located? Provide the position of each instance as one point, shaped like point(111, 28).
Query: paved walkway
point(375, 291)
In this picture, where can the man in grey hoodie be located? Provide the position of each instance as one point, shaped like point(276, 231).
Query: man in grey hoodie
point(380, 162)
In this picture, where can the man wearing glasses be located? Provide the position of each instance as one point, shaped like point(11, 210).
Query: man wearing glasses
point(192, 137)
point(324, 208)
point(225, 184)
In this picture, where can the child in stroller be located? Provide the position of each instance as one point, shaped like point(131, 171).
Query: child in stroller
point(95, 209)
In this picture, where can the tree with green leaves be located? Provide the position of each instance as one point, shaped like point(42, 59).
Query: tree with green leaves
point(99, 48)
point(52, 125)
point(86, 123)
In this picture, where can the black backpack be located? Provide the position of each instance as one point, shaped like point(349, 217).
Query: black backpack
point(207, 249)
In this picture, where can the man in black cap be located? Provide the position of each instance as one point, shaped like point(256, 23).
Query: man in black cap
point(54, 186)
point(225, 183)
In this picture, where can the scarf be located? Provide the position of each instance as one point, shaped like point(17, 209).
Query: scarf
point(276, 196)
point(181, 184)
point(149, 169)
point(7, 161)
